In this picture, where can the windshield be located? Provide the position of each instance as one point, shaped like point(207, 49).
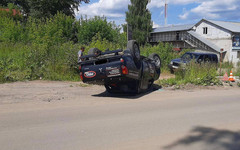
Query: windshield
point(189, 56)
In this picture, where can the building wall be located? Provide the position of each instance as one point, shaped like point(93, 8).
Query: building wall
point(167, 36)
point(218, 36)
point(226, 44)
point(214, 32)
point(234, 56)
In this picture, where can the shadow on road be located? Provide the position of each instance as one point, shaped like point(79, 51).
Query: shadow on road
point(209, 138)
point(155, 87)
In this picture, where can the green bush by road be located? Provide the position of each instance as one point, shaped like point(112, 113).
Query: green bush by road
point(47, 48)
point(194, 73)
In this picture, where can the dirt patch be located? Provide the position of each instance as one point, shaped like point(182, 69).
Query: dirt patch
point(43, 91)
point(165, 75)
point(56, 91)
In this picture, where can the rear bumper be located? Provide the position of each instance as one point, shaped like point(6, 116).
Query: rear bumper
point(110, 80)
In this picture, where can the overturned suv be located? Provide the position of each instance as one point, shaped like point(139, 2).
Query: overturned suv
point(120, 71)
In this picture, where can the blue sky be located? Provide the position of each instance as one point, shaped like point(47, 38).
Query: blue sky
point(179, 11)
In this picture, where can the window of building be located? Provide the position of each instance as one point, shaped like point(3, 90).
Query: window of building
point(236, 42)
point(205, 30)
point(238, 54)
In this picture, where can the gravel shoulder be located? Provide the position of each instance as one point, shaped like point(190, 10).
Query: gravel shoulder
point(56, 91)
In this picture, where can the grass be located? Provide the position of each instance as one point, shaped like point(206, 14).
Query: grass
point(20, 62)
point(204, 74)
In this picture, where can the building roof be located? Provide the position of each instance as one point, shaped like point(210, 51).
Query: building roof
point(231, 26)
point(205, 41)
point(173, 28)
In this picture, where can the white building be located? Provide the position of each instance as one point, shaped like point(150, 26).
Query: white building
point(207, 35)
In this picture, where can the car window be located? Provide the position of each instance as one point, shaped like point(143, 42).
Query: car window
point(207, 58)
point(195, 56)
point(200, 59)
point(215, 59)
point(187, 56)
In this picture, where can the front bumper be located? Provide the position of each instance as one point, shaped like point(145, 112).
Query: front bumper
point(172, 67)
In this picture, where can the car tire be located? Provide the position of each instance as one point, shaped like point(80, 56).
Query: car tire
point(135, 51)
point(94, 51)
point(157, 61)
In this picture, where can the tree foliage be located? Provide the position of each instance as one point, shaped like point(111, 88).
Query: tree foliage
point(11, 11)
point(139, 17)
point(4, 2)
point(89, 28)
point(46, 8)
point(44, 49)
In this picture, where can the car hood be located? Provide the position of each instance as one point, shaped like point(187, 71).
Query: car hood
point(179, 60)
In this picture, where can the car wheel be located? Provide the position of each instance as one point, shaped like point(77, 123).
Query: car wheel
point(134, 50)
point(94, 51)
point(156, 59)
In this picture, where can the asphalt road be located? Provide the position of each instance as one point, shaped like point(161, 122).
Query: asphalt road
point(90, 119)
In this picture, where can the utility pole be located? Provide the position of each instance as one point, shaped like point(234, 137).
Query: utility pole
point(166, 8)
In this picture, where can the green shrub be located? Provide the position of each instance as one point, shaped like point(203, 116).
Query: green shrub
point(89, 28)
point(13, 60)
point(237, 73)
point(197, 74)
point(102, 44)
point(225, 67)
point(10, 30)
point(165, 51)
point(47, 48)
point(20, 62)
point(55, 30)
point(9, 14)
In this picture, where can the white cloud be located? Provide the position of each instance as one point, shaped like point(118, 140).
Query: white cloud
point(155, 25)
point(107, 8)
point(115, 10)
point(213, 9)
point(161, 3)
point(156, 4)
point(184, 16)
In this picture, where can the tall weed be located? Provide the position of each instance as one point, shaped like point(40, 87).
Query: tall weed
point(165, 51)
point(194, 73)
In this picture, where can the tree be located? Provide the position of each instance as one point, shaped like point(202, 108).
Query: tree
point(139, 17)
point(89, 28)
point(4, 2)
point(46, 8)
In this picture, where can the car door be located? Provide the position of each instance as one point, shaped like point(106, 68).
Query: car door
point(207, 58)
